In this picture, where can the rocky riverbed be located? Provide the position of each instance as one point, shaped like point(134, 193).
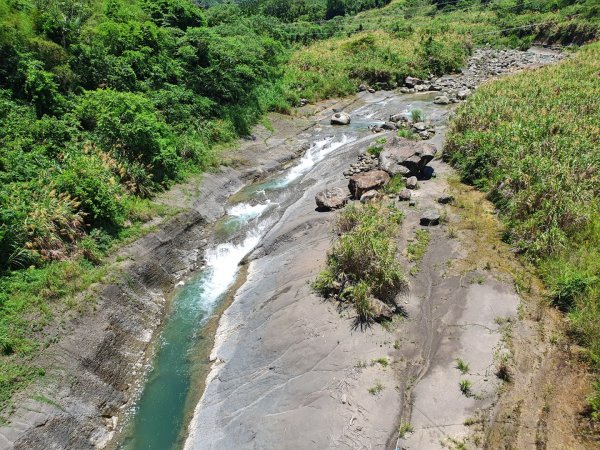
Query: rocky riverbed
point(290, 371)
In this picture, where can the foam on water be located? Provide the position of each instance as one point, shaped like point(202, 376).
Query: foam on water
point(246, 211)
point(222, 264)
point(319, 150)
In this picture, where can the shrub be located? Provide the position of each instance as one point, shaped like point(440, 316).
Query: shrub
point(126, 125)
point(362, 262)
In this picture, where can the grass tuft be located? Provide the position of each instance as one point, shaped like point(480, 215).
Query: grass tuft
point(362, 263)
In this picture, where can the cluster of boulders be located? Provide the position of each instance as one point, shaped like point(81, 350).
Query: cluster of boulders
point(366, 162)
point(483, 64)
point(398, 156)
point(425, 130)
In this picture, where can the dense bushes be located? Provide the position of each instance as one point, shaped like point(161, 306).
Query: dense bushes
point(533, 141)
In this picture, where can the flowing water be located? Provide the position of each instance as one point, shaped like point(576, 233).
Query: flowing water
point(159, 417)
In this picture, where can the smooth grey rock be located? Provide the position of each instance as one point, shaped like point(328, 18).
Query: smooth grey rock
point(420, 126)
point(372, 180)
point(380, 310)
point(411, 82)
point(369, 196)
point(405, 195)
point(405, 157)
point(389, 126)
point(405, 90)
point(430, 217)
point(441, 100)
point(340, 118)
point(463, 94)
point(331, 199)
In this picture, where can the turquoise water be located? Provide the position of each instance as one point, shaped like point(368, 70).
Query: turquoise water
point(160, 412)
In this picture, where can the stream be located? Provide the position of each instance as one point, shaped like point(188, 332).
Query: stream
point(160, 417)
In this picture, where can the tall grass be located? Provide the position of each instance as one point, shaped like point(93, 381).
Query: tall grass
point(533, 142)
point(362, 262)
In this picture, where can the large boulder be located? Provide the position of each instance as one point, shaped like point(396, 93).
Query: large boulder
point(441, 100)
point(340, 118)
point(405, 157)
point(331, 199)
point(411, 82)
point(367, 181)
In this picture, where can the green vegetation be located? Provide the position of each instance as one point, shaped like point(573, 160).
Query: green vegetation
point(380, 47)
point(404, 429)
point(418, 246)
point(462, 365)
point(383, 362)
point(362, 262)
point(417, 115)
point(376, 389)
point(465, 387)
point(408, 134)
point(532, 141)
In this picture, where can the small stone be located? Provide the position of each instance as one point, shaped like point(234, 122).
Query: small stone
point(430, 217)
point(463, 94)
point(412, 203)
point(405, 195)
point(445, 199)
point(371, 91)
point(420, 126)
point(344, 399)
point(411, 183)
point(380, 310)
point(411, 82)
point(369, 196)
point(405, 90)
point(389, 126)
point(441, 100)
